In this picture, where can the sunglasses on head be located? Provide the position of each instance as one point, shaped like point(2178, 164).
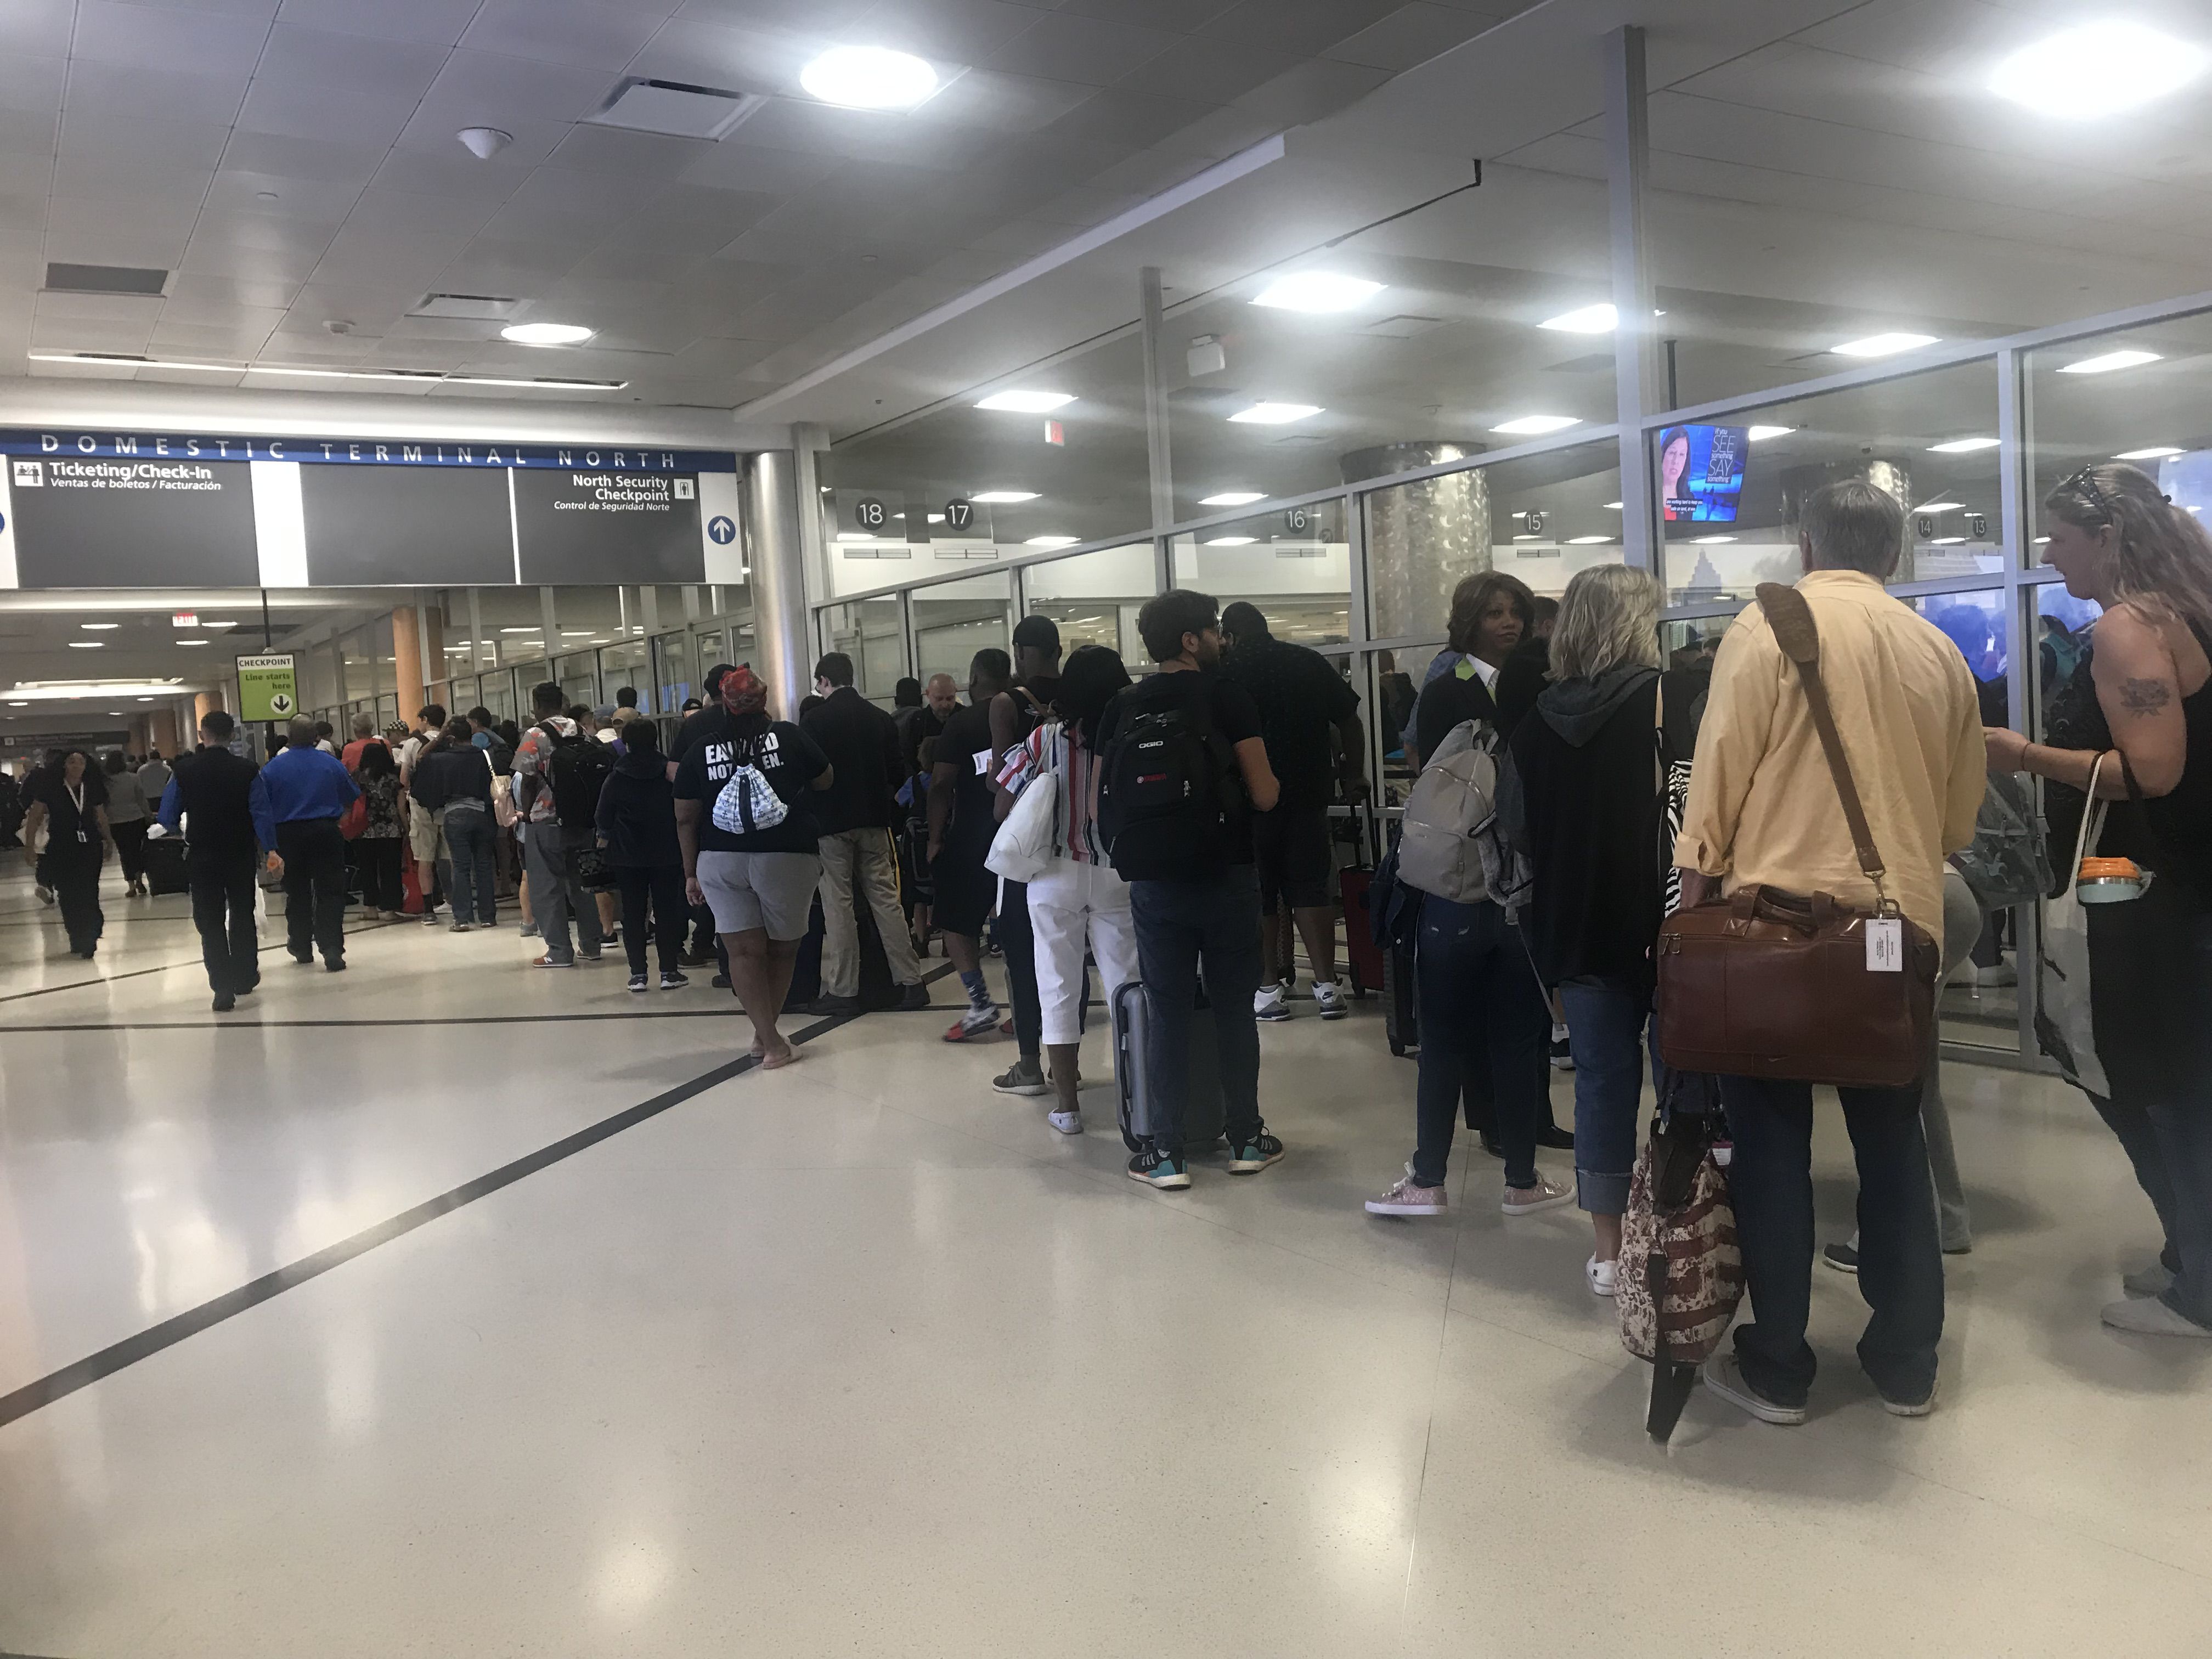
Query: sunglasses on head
point(2082, 484)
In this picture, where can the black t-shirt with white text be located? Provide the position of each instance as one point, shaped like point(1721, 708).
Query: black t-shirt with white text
point(785, 755)
point(1234, 717)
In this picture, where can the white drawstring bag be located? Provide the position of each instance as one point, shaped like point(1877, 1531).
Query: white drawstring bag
point(2065, 1028)
point(1032, 837)
point(748, 803)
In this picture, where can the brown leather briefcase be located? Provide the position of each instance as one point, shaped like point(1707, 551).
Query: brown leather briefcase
point(1769, 984)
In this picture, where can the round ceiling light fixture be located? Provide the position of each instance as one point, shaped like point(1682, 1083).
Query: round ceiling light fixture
point(2099, 70)
point(868, 77)
point(546, 334)
point(484, 143)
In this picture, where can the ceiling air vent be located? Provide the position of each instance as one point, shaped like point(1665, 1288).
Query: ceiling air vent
point(105, 279)
point(472, 307)
point(679, 110)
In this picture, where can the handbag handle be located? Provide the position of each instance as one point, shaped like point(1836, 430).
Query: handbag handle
point(1796, 632)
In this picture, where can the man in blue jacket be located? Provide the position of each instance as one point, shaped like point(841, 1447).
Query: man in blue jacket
point(309, 790)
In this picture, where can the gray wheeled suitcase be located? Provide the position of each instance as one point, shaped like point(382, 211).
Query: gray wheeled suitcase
point(1203, 1110)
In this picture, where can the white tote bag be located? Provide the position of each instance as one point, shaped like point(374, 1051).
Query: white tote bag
point(1031, 838)
point(2065, 1029)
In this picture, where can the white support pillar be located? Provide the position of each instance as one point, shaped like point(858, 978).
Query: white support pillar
point(778, 565)
point(1635, 357)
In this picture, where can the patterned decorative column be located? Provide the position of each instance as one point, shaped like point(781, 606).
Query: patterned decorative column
point(1422, 538)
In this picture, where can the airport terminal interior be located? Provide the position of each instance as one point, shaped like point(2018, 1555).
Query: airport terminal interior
point(362, 356)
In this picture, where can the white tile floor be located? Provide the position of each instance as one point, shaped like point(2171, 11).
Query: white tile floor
point(860, 1358)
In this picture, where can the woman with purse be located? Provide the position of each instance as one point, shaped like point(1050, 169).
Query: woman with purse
point(453, 782)
point(376, 849)
point(2135, 723)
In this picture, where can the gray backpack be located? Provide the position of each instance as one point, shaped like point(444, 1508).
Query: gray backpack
point(1452, 844)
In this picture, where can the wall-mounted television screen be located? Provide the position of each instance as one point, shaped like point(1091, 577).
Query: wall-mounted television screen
point(1701, 472)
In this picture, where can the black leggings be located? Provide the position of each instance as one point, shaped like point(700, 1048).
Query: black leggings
point(131, 847)
point(663, 886)
point(378, 858)
point(75, 880)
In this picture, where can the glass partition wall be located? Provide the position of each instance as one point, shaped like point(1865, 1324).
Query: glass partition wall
point(1967, 438)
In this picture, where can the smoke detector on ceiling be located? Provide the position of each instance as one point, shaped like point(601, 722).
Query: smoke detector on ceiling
point(484, 143)
point(676, 109)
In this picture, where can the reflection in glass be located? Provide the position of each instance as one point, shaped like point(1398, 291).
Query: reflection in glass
point(870, 633)
point(1295, 565)
point(1094, 597)
point(955, 620)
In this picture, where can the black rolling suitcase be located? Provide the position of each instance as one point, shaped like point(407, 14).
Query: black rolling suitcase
point(1203, 1110)
point(165, 865)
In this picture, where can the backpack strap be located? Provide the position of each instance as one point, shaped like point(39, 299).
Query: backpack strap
point(1795, 631)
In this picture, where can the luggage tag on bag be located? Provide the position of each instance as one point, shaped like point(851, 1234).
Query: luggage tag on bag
point(1885, 945)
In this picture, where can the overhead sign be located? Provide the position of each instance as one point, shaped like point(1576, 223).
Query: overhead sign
point(351, 452)
point(959, 514)
point(869, 514)
point(721, 531)
point(146, 522)
point(370, 529)
point(600, 526)
point(268, 688)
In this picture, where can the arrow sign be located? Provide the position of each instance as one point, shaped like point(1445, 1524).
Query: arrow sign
point(268, 688)
point(280, 705)
point(721, 531)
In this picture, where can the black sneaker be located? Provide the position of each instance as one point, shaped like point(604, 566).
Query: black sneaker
point(721, 981)
point(1024, 1077)
point(224, 1002)
point(1558, 1140)
point(1249, 1154)
point(334, 964)
point(673, 981)
point(1156, 1167)
point(912, 997)
point(305, 958)
point(832, 1007)
point(1844, 1258)
point(637, 982)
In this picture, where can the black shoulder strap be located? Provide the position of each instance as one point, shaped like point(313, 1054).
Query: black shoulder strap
point(1791, 619)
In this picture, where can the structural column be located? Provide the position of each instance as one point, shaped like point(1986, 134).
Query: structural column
point(1635, 360)
point(777, 562)
point(407, 661)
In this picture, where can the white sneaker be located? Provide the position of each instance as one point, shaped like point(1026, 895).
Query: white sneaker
point(2148, 1316)
point(1268, 1004)
point(2151, 1281)
point(1329, 1000)
point(1068, 1123)
point(1604, 1276)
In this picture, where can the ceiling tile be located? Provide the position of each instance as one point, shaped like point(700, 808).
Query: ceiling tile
point(99, 93)
point(451, 172)
point(799, 17)
point(961, 30)
point(484, 88)
point(304, 158)
point(71, 219)
point(121, 310)
point(549, 219)
point(1410, 35)
point(189, 309)
point(36, 28)
point(1207, 71)
point(116, 240)
point(1058, 47)
point(401, 215)
point(196, 291)
point(1132, 119)
point(188, 42)
point(733, 165)
point(305, 111)
point(1181, 15)
point(1314, 89)
point(348, 63)
point(261, 10)
point(590, 34)
point(197, 142)
point(1304, 27)
point(236, 230)
point(240, 340)
point(131, 177)
point(514, 268)
point(438, 22)
point(641, 157)
point(991, 101)
point(249, 262)
point(311, 201)
point(28, 82)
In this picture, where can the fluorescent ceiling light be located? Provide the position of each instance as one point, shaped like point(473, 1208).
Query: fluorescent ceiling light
point(1231, 498)
point(855, 536)
point(1027, 403)
point(1590, 319)
point(1052, 541)
point(414, 376)
point(575, 633)
point(29, 691)
point(1614, 506)
point(2081, 74)
point(2109, 361)
point(188, 641)
point(868, 77)
point(1538, 423)
point(1962, 445)
point(1883, 345)
point(145, 700)
point(1939, 507)
point(993, 497)
point(546, 334)
point(1275, 414)
point(1528, 538)
point(12, 704)
point(1316, 290)
point(99, 628)
point(1586, 541)
point(518, 630)
point(1713, 541)
point(1232, 541)
point(219, 624)
point(1946, 541)
point(1761, 433)
point(87, 645)
point(2155, 452)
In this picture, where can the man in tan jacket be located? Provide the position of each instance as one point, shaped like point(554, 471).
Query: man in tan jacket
point(1763, 809)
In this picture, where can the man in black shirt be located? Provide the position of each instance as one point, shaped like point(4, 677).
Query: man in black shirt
point(854, 819)
point(1015, 712)
point(758, 881)
point(218, 799)
point(960, 827)
point(1194, 894)
point(1301, 700)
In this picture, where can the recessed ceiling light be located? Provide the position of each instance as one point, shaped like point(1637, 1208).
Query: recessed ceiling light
point(993, 497)
point(1939, 507)
point(1232, 541)
point(1761, 433)
point(1052, 541)
point(1586, 541)
point(2155, 452)
point(1275, 414)
point(218, 624)
point(1946, 541)
point(2081, 74)
point(1027, 403)
point(87, 645)
point(1231, 498)
point(145, 700)
point(855, 536)
point(1316, 290)
point(2109, 361)
point(12, 704)
point(1534, 424)
point(868, 77)
point(100, 628)
point(1615, 505)
point(1590, 319)
point(1962, 445)
point(1528, 538)
point(1712, 541)
point(187, 641)
point(518, 630)
point(545, 334)
point(1883, 345)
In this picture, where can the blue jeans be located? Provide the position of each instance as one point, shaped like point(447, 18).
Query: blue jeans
point(471, 836)
point(1479, 1001)
point(1179, 924)
point(1606, 1020)
point(1900, 1257)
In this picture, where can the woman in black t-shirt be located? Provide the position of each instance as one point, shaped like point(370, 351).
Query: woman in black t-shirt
point(72, 808)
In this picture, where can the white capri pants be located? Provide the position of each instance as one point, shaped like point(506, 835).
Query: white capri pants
point(1064, 901)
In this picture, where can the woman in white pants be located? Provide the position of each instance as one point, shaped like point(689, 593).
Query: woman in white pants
point(1078, 898)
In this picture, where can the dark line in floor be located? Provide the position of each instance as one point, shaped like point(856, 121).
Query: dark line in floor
point(725, 1011)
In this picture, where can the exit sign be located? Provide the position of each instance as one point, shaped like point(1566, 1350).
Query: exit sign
point(185, 619)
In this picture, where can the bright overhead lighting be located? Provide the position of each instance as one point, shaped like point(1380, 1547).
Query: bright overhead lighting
point(218, 624)
point(868, 77)
point(1275, 414)
point(412, 376)
point(1946, 541)
point(1052, 541)
point(12, 704)
point(1614, 506)
point(518, 630)
point(855, 536)
point(1027, 403)
point(99, 628)
point(993, 497)
point(1590, 319)
point(1712, 541)
point(2081, 74)
point(1962, 445)
point(87, 645)
point(546, 334)
point(1232, 541)
point(74, 690)
point(1316, 290)
point(1761, 433)
point(1231, 498)
point(575, 633)
point(145, 700)
point(2109, 361)
point(1939, 507)
point(2155, 452)
point(1586, 541)
point(1883, 345)
point(1531, 537)
point(1533, 424)
point(187, 641)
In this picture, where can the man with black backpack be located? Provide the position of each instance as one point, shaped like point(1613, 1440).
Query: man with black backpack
point(558, 773)
point(1183, 766)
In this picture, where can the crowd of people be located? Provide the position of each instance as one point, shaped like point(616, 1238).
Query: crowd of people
point(1188, 828)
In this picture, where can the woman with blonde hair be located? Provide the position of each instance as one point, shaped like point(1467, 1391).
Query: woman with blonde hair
point(1589, 759)
point(2139, 704)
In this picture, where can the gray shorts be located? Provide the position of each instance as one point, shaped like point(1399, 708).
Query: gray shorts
point(774, 890)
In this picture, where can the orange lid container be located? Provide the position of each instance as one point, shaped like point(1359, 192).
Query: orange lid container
point(2108, 870)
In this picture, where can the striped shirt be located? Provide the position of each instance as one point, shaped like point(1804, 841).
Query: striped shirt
point(1057, 750)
